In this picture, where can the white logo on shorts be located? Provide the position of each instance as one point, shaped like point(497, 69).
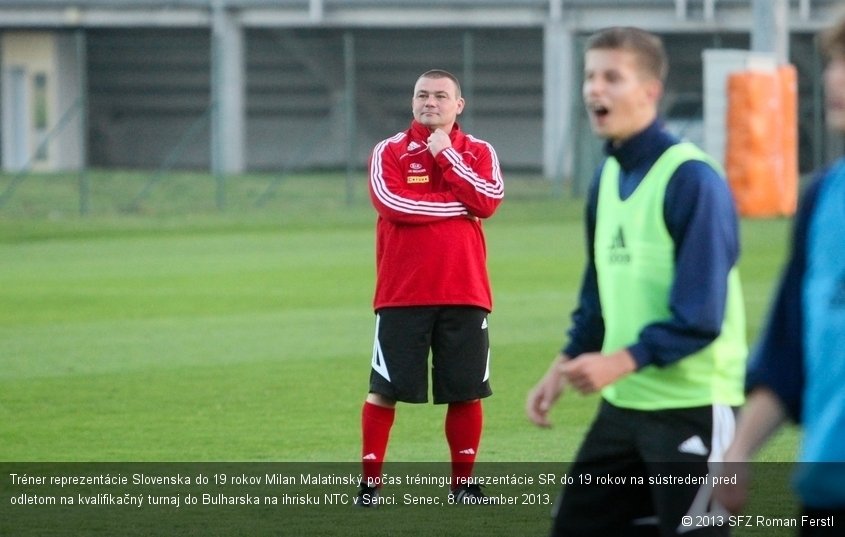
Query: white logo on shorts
point(378, 356)
point(693, 445)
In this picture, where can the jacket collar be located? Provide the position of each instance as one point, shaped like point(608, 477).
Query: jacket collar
point(643, 147)
point(420, 132)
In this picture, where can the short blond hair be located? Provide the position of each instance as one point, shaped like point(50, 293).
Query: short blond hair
point(648, 48)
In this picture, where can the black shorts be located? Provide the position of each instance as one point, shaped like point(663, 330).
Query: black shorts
point(645, 473)
point(459, 344)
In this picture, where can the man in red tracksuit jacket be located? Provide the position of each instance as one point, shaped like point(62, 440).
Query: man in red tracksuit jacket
point(431, 185)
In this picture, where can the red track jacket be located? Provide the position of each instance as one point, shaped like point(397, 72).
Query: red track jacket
point(430, 247)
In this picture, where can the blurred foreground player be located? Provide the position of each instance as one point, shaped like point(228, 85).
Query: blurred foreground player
point(431, 185)
point(660, 326)
point(798, 368)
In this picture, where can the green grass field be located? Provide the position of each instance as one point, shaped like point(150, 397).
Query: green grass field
point(177, 333)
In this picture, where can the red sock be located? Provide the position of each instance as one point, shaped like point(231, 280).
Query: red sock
point(376, 422)
point(463, 432)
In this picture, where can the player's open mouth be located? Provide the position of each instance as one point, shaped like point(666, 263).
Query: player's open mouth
point(598, 110)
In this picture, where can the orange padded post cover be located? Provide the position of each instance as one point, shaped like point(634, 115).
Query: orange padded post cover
point(762, 142)
point(788, 76)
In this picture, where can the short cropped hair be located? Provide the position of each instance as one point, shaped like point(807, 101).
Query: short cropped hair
point(441, 73)
point(833, 39)
point(648, 48)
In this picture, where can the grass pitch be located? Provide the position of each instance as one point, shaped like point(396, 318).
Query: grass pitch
point(189, 335)
point(177, 333)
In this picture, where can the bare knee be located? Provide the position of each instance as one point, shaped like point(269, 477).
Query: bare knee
point(380, 400)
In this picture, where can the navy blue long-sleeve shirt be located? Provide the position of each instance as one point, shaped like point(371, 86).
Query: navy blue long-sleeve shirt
point(777, 359)
point(701, 218)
